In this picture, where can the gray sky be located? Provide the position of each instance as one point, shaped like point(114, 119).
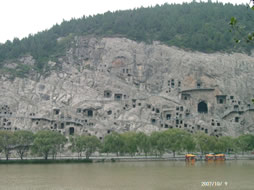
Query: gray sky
point(19, 18)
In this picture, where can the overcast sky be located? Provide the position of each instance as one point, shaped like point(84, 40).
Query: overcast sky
point(19, 18)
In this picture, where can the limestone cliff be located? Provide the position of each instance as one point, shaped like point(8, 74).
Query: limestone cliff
point(115, 84)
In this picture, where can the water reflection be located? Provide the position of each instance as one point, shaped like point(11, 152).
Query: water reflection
point(190, 163)
point(128, 175)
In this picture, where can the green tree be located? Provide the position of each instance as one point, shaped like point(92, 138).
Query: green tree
point(24, 140)
point(188, 142)
point(245, 143)
point(158, 142)
point(77, 145)
point(130, 142)
point(92, 144)
point(48, 142)
point(60, 141)
point(87, 144)
point(143, 143)
point(236, 148)
point(113, 143)
point(7, 142)
point(224, 144)
point(175, 139)
point(204, 142)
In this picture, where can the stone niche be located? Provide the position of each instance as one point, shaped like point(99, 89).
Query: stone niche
point(168, 116)
point(185, 97)
point(88, 112)
point(221, 99)
point(56, 111)
point(118, 97)
point(199, 84)
point(107, 94)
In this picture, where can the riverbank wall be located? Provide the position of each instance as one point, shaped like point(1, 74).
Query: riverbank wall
point(96, 159)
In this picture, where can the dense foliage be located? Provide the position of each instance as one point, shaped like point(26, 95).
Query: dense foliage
point(23, 141)
point(84, 143)
point(196, 26)
point(49, 143)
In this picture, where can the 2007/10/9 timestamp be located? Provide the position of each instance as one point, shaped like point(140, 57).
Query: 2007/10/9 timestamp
point(213, 183)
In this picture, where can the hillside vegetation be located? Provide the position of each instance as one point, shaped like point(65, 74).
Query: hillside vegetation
point(196, 26)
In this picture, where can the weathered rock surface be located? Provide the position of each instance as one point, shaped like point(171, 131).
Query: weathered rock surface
point(115, 84)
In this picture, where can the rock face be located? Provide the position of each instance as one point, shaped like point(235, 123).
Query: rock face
point(115, 84)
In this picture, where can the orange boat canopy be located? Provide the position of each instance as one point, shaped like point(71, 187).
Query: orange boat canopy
point(190, 155)
point(209, 155)
point(220, 155)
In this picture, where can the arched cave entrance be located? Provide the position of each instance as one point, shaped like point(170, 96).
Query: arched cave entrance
point(202, 107)
point(71, 130)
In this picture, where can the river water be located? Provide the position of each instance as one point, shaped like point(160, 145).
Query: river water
point(168, 175)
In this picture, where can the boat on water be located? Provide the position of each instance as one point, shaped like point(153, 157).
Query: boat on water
point(209, 157)
point(190, 157)
point(220, 157)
